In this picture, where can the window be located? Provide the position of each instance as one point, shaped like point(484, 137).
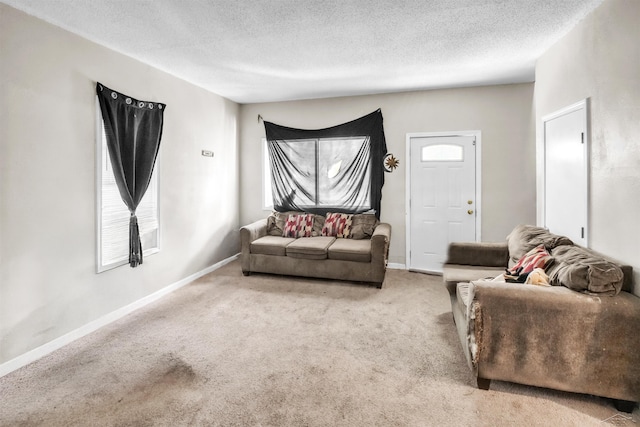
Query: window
point(113, 215)
point(326, 172)
point(442, 153)
point(334, 169)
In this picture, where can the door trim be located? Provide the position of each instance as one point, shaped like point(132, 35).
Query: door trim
point(541, 170)
point(478, 136)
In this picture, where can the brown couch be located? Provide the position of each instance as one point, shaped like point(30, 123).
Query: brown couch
point(360, 259)
point(578, 336)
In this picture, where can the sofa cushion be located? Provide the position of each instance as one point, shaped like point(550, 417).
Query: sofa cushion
point(310, 248)
point(351, 250)
point(270, 245)
point(337, 224)
point(298, 226)
point(462, 295)
point(484, 254)
point(523, 238)
point(455, 273)
point(276, 221)
point(362, 226)
point(318, 223)
point(583, 270)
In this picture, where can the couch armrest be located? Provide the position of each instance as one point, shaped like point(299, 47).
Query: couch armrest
point(555, 337)
point(380, 240)
point(248, 234)
point(478, 253)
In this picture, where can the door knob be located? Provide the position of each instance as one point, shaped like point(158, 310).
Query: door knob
point(469, 202)
point(470, 211)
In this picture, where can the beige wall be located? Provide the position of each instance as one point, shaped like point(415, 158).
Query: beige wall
point(600, 60)
point(504, 114)
point(47, 190)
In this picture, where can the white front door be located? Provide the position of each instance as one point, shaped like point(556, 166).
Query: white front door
point(442, 198)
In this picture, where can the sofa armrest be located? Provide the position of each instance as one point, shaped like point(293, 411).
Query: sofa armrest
point(478, 253)
point(380, 240)
point(555, 337)
point(248, 234)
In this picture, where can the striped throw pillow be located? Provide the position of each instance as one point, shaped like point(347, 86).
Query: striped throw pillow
point(298, 226)
point(337, 225)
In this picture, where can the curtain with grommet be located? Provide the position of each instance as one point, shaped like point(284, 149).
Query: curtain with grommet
point(133, 130)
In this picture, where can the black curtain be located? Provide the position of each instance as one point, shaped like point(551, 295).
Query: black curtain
point(133, 129)
point(336, 169)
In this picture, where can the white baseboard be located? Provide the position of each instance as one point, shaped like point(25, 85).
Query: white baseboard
point(51, 346)
point(396, 266)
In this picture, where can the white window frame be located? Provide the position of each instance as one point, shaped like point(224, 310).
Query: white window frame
point(103, 166)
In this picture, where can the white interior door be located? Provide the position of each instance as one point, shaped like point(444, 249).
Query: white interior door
point(566, 173)
point(443, 203)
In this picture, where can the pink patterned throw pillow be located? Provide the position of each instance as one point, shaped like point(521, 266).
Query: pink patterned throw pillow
point(337, 225)
point(537, 257)
point(298, 226)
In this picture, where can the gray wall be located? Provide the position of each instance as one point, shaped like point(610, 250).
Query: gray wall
point(48, 284)
point(504, 114)
point(600, 60)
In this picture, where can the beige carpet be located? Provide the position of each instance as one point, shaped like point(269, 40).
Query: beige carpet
point(266, 350)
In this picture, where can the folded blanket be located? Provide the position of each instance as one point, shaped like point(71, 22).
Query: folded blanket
point(583, 271)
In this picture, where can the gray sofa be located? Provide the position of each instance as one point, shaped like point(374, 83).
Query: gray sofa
point(581, 335)
point(360, 259)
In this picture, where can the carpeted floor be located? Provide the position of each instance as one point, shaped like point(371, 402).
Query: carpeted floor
point(266, 350)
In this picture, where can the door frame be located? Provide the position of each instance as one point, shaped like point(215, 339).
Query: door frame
point(541, 162)
point(478, 176)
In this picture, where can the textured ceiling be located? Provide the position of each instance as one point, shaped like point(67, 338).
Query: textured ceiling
point(274, 50)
